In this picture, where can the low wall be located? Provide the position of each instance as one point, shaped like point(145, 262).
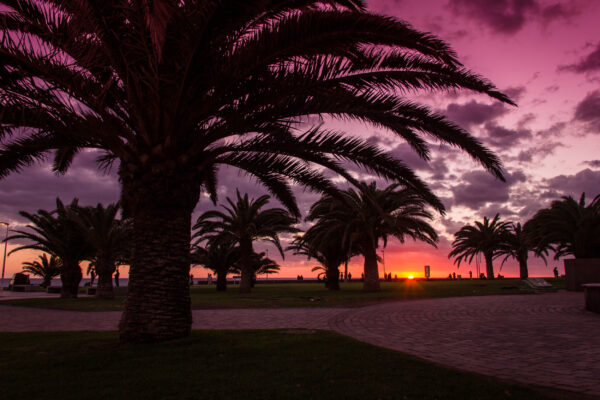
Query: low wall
point(581, 270)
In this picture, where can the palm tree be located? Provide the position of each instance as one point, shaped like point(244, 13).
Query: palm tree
point(517, 243)
point(264, 265)
point(569, 227)
point(46, 268)
point(244, 222)
point(109, 239)
point(366, 217)
point(219, 256)
point(171, 90)
point(57, 233)
point(328, 247)
point(485, 238)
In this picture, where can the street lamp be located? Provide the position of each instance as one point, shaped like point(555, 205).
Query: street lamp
point(5, 244)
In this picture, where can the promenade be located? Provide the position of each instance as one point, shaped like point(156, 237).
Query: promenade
point(543, 339)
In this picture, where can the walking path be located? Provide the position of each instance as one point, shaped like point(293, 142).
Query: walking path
point(544, 339)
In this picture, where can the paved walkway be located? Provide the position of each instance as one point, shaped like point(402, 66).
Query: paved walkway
point(544, 339)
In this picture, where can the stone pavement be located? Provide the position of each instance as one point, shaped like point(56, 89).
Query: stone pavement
point(544, 339)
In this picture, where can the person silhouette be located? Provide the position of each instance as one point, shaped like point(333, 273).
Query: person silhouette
point(117, 277)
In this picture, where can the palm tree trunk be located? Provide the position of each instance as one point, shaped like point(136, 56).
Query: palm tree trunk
point(371, 270)
point(523, 270)
point(333, 278)
point(489, 266)
point(105, 269)
point(70, 277)
point(221, 281)
point(158, 305)
point(247, 270)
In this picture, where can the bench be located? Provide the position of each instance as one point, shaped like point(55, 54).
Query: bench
point(539, 284)
point(591, 292)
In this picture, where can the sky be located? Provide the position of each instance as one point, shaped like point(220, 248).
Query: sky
point(544, 53)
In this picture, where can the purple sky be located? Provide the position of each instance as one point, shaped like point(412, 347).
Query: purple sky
point(544, 53)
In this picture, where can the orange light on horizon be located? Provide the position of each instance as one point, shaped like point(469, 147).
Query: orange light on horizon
point(411, 277)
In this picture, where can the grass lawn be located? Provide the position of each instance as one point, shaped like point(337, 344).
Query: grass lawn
point(232, 365)
point(304, 295)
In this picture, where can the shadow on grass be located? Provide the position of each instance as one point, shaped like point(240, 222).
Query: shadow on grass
point(282, 364)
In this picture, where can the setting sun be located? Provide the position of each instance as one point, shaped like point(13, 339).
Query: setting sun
point(411, 277)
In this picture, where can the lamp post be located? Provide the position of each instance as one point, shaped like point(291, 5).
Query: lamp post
point(4, 263)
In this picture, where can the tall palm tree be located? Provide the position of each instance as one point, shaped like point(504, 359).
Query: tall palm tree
point(569, 226)
point(57, 233)
point(109, 239)
point(517, 244)
point(219, 256)
point(485, 238)
point(46, 268)
point(171, 90)
point(366, 217)
point(244, 222)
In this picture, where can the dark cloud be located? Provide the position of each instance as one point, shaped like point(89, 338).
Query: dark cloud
point(540, 151)
point(588, 111)
point(510, 16)
point(593, 163)
point(503, 16)
point(479, 188)
point(474, 113)
point(38, 187)
point(588, 63)
point(586, 180)
point(504, 138)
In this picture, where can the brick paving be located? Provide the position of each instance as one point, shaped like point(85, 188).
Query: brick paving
point(544, 339)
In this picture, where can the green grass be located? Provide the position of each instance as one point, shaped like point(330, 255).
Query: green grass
point(304, 295)
point(232, 365)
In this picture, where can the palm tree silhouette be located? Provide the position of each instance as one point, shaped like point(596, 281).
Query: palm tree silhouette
point(366, 217)
point(172, 90)
point(109, 239)
point(46, 268)
point(485, 237)
point(517, 244)
point(244, 222)
point(327, 247)
point(219, 256)
point(569, 227)
point(57, 233)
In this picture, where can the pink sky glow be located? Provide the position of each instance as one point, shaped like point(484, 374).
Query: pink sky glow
point(544, 53)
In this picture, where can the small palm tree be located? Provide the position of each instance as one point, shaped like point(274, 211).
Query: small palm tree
point(362, 219)
point(219, 257)
point(485, 238)
point(57, 233)
point(517, 243)
point(46, 268)
point(109, 239)
point(569, 227)
point(328, 247)
point(244, 222)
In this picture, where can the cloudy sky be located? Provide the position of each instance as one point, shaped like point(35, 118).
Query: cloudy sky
point(544, 53)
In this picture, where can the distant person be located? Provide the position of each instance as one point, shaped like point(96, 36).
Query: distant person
point(454, 276)
point(555, 272)
point(342, 276)
point(209, 279)
point(92, 278)
point(470, 274)
point(117, 277)
point(349, 276)
point(396, 277)
point(389, 277)
point(482, 276)
point(362, 277)
point(450, 276)
point(191, 279)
